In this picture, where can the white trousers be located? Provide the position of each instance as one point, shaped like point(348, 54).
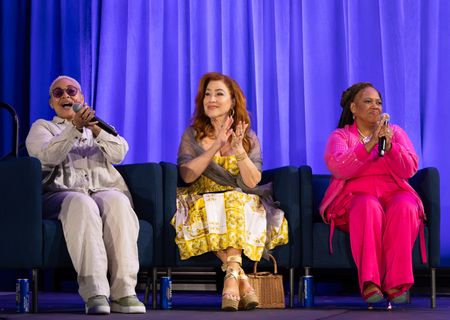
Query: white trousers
point(101, 232)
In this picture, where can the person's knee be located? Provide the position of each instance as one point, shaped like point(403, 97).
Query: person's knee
point(119, 204)
point(404, 205)
point(81, 205)
point(364, 203)
point(365, 209)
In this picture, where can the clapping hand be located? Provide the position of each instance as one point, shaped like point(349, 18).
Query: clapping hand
point(225, 132)
point(237, 137)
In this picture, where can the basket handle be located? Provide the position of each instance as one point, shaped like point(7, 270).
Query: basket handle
point(275, 267)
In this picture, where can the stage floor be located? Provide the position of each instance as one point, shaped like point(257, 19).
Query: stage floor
point(198, 306)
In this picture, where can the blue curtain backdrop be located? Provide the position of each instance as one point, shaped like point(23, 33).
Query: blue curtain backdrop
point(140, 61)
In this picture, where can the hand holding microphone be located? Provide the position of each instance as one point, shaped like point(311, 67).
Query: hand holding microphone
point(384, 135)
point(89, 119)
point(83, 116)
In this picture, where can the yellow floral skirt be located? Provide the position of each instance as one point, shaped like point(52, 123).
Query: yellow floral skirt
point(216, 221)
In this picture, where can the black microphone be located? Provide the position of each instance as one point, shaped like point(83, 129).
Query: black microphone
point(102, 124)
point(382, 140)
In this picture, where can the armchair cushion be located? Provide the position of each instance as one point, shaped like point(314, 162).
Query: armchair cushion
point(315, 232)
point(285, 186)
point(144, 183)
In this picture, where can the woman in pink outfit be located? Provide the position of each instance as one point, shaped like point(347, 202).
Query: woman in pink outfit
point(369, 195)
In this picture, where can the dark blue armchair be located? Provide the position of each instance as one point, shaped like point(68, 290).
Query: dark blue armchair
point(285, 188)
point(28, 241)
point(315, 233)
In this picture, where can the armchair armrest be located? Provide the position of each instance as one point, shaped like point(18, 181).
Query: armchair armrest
point(145, 184)
point(170, 183)
point(426, 182)
point(285, 190)
point(306, 210)
point(312, 188)
point(21, 213)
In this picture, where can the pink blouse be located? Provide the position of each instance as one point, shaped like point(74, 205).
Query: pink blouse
point(346, 158)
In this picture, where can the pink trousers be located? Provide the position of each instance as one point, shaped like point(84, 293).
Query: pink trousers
point(383, 222)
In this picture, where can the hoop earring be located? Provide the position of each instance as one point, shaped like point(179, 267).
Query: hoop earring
point(231, 113)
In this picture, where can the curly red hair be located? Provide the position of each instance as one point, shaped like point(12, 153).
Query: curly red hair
point(202, 123)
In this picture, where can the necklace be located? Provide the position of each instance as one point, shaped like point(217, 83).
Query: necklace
point(364, 138)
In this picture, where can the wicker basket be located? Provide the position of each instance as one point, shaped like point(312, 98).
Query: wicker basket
point(268, 287)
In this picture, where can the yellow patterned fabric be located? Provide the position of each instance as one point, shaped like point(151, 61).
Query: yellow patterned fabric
point(211, 217)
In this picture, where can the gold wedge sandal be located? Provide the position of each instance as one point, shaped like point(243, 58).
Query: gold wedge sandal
point(249, 299)
point(230, 301)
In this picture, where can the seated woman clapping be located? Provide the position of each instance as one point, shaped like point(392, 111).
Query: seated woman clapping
point(221, 210)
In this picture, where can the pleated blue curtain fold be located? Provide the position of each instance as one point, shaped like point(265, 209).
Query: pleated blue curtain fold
point(55, 48)
point(14, 69)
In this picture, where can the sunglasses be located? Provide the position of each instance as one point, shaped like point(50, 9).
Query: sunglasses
point(59, 92)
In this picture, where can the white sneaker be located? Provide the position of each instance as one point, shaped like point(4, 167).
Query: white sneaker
point(130, 304)
point(97, 305)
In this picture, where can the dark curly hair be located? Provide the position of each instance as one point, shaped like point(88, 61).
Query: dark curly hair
point(348, 96)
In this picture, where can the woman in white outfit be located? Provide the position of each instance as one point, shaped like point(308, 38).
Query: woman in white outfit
point(88, 195)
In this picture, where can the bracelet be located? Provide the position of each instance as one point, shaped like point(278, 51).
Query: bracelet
point(241, 156)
